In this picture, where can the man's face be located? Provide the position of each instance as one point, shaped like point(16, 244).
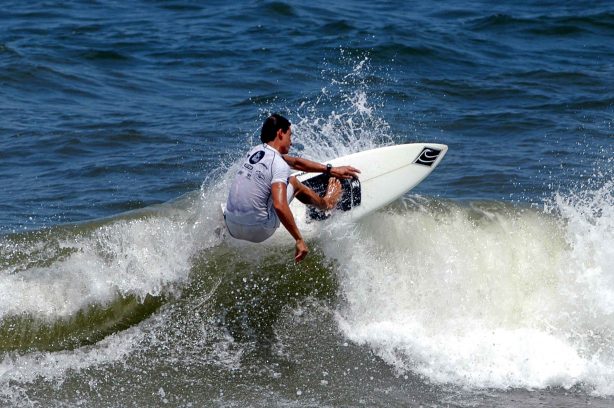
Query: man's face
point(286, 141)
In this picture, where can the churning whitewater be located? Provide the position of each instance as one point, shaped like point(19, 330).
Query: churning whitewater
point(487, 295)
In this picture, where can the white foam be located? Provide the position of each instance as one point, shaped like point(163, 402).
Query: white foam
point(589, 219)
point(141, 256)
point(352, 126)
point(495, 298)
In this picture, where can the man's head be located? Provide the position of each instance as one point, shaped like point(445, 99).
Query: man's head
point(272, 125)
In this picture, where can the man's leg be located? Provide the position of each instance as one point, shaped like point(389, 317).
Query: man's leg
point(307, 196)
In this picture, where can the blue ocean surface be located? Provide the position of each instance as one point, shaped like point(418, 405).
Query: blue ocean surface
point(489, 284)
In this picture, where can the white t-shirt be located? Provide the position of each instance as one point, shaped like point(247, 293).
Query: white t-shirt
point(250, 201)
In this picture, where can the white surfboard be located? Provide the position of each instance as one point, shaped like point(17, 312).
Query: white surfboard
point(386, 174)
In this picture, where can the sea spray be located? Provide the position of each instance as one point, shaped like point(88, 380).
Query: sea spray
point(486, 296)
point(343, 117)
point(589, 232)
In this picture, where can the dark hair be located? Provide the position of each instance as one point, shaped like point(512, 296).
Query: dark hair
point(271, 125)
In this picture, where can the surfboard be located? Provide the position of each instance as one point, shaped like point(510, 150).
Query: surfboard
point(386, 174)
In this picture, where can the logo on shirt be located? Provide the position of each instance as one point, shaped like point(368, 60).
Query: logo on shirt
point(256, 157)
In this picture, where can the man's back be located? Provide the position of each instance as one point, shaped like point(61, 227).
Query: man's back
point(249, 201)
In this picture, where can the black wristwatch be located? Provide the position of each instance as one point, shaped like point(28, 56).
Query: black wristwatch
point(329, 167)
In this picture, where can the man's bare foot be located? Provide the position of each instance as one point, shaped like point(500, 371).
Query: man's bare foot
point(333, 193)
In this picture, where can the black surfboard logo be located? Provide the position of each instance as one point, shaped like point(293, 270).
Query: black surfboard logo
point(428, 156)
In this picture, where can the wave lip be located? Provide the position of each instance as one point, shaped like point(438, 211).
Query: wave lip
point(89, 326)
point(66, 287)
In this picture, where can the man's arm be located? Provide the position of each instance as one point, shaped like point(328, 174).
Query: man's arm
point(298, 163)
point(280, 203)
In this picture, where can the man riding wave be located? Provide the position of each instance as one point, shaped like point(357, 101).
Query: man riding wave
point(261, 191)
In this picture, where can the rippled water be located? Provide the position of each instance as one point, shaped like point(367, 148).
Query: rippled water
point(489, 285)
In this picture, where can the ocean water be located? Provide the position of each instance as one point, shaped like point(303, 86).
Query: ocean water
point(489, 285)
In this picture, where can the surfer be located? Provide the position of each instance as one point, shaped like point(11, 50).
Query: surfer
point(260, 194)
